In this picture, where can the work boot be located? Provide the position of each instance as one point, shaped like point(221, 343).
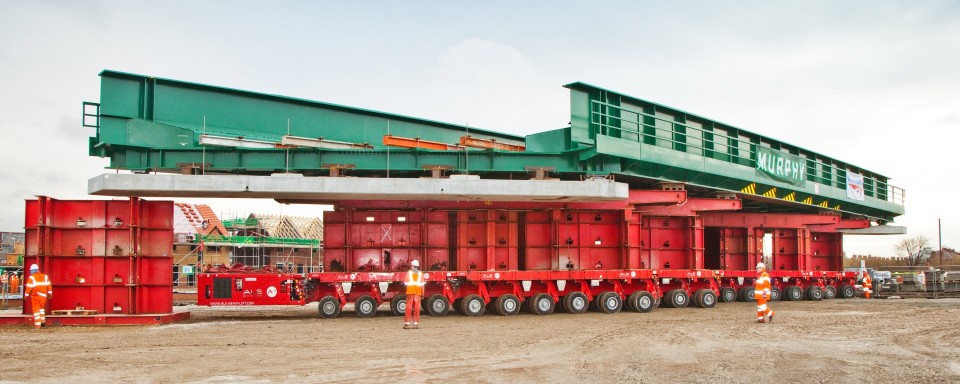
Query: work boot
point(416, 326)
point(406, 326)
point(761, 321)
point(770, 318)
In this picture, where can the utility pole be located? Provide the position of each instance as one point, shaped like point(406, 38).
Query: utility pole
point(936, 274)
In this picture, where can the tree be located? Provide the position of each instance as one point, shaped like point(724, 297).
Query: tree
point(914, 250)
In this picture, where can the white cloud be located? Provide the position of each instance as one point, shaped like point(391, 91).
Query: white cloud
point(493, 86)
point(869, 82)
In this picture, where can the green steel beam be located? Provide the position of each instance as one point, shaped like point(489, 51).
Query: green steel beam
point(152, 124)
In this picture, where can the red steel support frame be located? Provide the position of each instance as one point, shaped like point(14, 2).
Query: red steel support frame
point(680, 224)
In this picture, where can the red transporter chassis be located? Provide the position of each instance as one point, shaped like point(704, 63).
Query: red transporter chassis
point(506, 292)
point(789, 285)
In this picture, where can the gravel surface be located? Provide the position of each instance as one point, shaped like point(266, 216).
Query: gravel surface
point(833, 341)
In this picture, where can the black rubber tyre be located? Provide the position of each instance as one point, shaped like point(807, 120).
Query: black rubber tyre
point(728, 294)
point(746, 294)
point(608, 302)
point(706, 298)
point(575, 302)
point(792, 293)
point(694, 299)
point(398, 305)
point(676, 298)
point(814, 293)
point(328, 307)
point(507, 305)
point(641, 301)
point(438, 305)
point(365, 306)
point(541, 304)
point(775, 293)
point(846, 292)
point(830, 292)
point(472, 305)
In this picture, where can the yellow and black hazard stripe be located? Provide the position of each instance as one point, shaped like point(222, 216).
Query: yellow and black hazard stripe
point(808, 200)
point(791, 197)
point(751, 189)
point(771, 193)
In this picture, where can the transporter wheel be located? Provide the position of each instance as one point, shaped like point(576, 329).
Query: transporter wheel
point(641, 301)
point(677, 298)
point(846, 292)
point(793, 293)
point(609, 302)
point(398, 305)
point(329, 307)
point(365, 306)
point(631, 302)
point(829, 292)
point(706, 298)
point(728, 294)
point(541, 304)
point(575, 302)
point(775, 293)
point(814, 293)
point(438, 305)
point(507, 305)
point(472, 305)
point(746, 294)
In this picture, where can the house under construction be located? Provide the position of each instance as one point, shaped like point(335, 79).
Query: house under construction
point(288, 243)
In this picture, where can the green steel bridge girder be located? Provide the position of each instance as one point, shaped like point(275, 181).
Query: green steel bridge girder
point(150, 124)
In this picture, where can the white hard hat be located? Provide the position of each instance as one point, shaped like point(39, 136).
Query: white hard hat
point(761, 266)
point(415, 263)
point(34, 267)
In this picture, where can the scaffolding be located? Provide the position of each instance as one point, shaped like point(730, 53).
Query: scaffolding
point(276, 241)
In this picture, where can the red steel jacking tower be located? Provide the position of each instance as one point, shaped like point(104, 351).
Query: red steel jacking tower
point(108, 258)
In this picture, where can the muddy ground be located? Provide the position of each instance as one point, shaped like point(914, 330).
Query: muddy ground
point(833, 341)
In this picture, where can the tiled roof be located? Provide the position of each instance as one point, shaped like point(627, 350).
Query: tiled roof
point(189, 218)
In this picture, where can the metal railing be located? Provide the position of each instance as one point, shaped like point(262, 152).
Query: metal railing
point(611, 120)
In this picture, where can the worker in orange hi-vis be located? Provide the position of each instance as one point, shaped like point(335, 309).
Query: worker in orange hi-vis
point(761, 291)
point(39, 290)
point(14, 283)
point(414, 283)
point(867, 285)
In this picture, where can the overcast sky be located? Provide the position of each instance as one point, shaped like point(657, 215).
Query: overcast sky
point(872, 83)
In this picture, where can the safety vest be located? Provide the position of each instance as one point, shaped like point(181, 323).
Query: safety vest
point(39, 284)
point(762, 285)
point(414, 282)
point(867, 283)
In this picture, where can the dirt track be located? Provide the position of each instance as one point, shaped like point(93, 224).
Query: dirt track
point(914, 340)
